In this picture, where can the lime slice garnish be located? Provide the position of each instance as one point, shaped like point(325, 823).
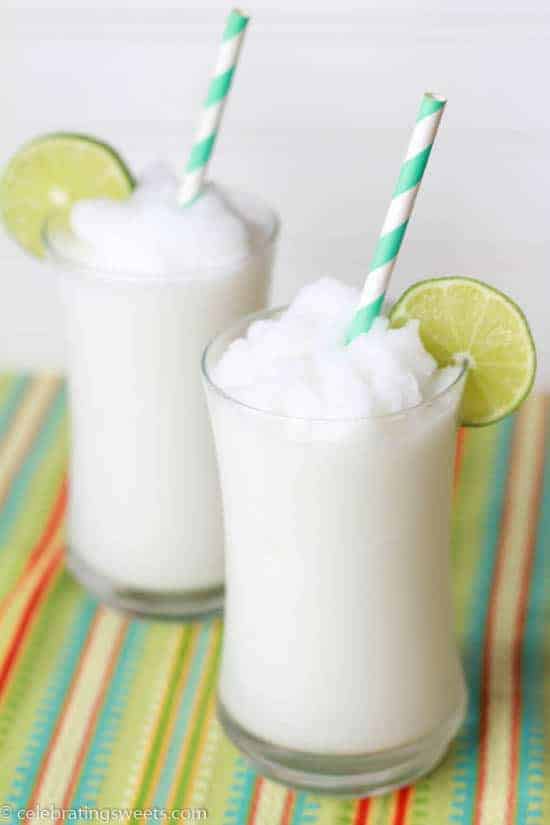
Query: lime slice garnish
point(49, 174)
point(464, 319)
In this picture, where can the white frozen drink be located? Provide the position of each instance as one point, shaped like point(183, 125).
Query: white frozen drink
point(340, 671)
point(145, 284)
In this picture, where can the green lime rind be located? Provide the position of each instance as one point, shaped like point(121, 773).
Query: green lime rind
point(49, 174)
point(464, 318)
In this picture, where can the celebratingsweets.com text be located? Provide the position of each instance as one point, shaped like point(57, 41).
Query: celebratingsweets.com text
point(85, 813)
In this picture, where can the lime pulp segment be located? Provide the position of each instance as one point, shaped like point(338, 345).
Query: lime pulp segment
point(49, 174)
point(465, 319)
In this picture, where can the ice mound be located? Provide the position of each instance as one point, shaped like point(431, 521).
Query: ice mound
point(149, 233)
point(298, 364)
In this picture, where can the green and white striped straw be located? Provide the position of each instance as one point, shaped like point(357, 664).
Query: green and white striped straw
point(213, 107)
point(398, 215)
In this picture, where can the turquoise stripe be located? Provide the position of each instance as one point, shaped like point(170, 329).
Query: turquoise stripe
point(200, 153)
point(532, 774)
point(15, 500)
point(306, 810)
point(467, 742)
point(96, 765)
point(12, 402)
point(219, 87)
point(183, 718)
point(388, 246)
point(412, 171)
point(240, 793)
point(54, 697)
point(428, 107)
point(363, 319)
point(236, 23)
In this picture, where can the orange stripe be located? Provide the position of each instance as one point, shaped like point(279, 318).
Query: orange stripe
point(92, 721)
point(535, 504)
point(27, 619)
point(255, 800)
point(53, 522)
point(362, 811)
point(66, 703)
point(40, 548)
point(402, 803)
point(286, 815)
point(485, 705)
point(459, 453)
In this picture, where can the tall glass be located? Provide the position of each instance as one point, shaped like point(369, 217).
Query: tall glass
point(340, 671)
point(145, 524)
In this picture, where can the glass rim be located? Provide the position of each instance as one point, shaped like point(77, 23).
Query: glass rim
point(111, 274)
point(264, 314)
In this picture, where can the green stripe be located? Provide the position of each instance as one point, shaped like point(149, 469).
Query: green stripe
point(219, 87)
point(199, 719)
point(428, 106)
point(183, 716)
point(162, 725)
point(412, 171)
point(236, 23)
point(388, 246)
point(363, 318)
point(200, 153)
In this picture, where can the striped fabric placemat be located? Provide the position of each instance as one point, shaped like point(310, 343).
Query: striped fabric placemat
point(99, 714)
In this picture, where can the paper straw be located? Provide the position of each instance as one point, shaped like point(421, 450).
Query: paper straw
point(398, 215)
point(213, 107)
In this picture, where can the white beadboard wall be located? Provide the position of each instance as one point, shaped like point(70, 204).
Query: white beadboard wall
point(319, 118)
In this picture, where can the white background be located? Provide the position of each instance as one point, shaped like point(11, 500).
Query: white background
point(319, 117)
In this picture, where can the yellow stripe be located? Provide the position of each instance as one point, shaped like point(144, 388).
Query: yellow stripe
point(23, 429)
point(77, 714)
point(144, 738)
point(271, 804)
point(382, 809)
point(506, 612)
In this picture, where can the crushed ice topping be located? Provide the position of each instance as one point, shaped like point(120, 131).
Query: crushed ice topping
point(150, 233)
point(298, 364)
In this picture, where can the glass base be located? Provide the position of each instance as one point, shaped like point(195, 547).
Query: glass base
point(346, 776)
point(150, 604)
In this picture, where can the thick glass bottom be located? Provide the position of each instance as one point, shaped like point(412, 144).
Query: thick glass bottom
point(355, 775)
point(172, 605)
